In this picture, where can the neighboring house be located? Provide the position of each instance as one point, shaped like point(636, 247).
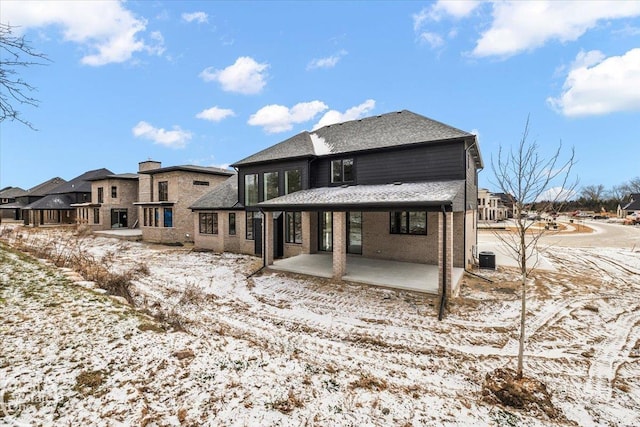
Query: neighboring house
point(165, 196)
point(491, 206)
point(632, 206)
point(56, 206)
point(8, 196)
point(397, 186)
point(15, 208)
point(112, 203)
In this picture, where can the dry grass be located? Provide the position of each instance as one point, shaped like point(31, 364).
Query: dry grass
point(287, 404)
point(369, 382)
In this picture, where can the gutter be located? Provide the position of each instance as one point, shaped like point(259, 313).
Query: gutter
point(443, 297)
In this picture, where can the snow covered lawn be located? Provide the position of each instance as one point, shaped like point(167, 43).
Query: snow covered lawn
point(205, 345)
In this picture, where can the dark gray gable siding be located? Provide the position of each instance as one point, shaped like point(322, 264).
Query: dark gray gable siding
point(432, 162)
point(280, 167)
point(472, 183)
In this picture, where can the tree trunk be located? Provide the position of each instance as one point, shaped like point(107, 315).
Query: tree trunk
point(522, 322)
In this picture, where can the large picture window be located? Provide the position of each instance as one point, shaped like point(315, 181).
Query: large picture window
point(342, 171)
point(292, 181)
point(163, 191)
point(270, 185)
point(408, 222)
point(208, 223)
point(293, 227)
point(250, 189)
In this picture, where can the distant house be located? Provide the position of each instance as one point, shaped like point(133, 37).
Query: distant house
point(112, 203)
point(165, 196)
point(493, 206)
point(632, 206)
point(8, 196)
point(397, 187)
point(55, 207)
point(13, 209)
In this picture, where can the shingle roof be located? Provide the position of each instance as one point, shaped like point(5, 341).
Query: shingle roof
point(224, 196)
point(131, 176)
point(634, 204)
point(52, 201)
point(44, 188)
point(416, 194)
point(12, 193)
point(191, 168)
point(81, 184)
point(386, 130)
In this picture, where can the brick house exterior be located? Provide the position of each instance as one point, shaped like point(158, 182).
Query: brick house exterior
point(112, 203)
point(397, 186)
point(165, 196)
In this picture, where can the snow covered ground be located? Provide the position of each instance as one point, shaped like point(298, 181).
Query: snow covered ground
point(277, 349)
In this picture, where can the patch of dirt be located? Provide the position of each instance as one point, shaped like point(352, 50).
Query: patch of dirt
point(504, 387)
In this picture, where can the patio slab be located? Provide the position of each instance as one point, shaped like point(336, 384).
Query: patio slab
point(393, 274)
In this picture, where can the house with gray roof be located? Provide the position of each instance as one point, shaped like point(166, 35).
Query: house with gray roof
point(8, 196)
point(397, 188)
point(55, 207)
point(13, 209)
point(165, 195)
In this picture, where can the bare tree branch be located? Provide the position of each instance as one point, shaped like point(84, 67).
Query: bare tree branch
point(528, 179)
point(16, 53)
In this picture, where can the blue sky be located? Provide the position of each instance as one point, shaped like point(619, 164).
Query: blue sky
point(209, 83)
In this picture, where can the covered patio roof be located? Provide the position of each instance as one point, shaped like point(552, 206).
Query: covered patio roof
point(393, 274)
point(423, 195)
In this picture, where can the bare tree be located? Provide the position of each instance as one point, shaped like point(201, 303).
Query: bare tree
point(632, 186)
point(16, 53)
point(617, 193)
point(530, 180)
point(592, 193)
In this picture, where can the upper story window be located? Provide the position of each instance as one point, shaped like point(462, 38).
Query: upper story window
point(163, 191)
point(271, 185)
point(292, 181)
point(205, 183)
point(100, 195)
point(408, 222)
point(250, 189)
point(342, 171)
point(114, 192)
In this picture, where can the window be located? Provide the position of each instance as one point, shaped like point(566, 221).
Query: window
point(114, 192)
point(292, 181)
point(163, 191)
point(156, 216)
point(250, 189)
point(232, 223)
point(100, 195)
point(96, 215)
point(250, 217)
point(270, 185)
point(341, 171)
point(326, 231)
point(144, 216)
point(408, 222)
point(205, 183)
point(208, 223)
point(168, 217)
point(293, 227)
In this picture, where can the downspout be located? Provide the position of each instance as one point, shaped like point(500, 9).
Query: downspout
point(443, 297)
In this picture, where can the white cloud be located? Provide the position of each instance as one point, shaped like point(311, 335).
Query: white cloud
point(433, 39)
point(176, 138)
point(199, 17)
point(245, 76)
point(328, 62)
point(353, 113)
point(109, 32)
point(596, 85)
point(520, 26)
point(434, 13)
point(278, 118)
point(215, 114)
point(556, 194)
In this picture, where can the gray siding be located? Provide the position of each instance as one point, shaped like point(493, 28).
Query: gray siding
point(437, 162)
point(472, 184)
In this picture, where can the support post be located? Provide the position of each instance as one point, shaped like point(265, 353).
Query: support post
point(339, 244)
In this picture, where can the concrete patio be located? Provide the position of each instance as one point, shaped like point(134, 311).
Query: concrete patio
point(393, 274)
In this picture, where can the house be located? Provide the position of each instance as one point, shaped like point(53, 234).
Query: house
point(632, 206)
point(492, 206)
point(165, 196)
point(8, 196)
point(14, 209)
point(56, 206)
point(397, 189)
point(112, 203)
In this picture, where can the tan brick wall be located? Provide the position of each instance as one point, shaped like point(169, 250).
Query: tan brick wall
point(458, 239)
point(126, 195)
point(472, 232)
point(378, 242)
point(183, 193)
point(223, 241)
